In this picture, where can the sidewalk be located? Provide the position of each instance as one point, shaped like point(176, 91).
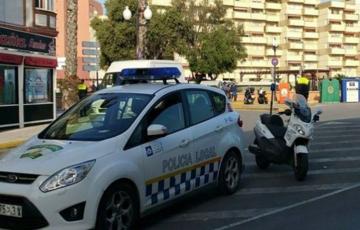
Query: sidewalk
point(15, 137)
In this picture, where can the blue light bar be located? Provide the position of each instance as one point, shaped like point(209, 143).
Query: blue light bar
point(150, 73)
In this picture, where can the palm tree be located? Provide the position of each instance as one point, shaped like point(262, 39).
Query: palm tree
point(69, 88)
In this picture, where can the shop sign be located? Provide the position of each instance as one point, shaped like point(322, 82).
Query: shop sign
point(26, 41)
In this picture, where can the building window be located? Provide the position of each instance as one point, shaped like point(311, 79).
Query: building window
point(38, 86)
point(8, 85)
point(45, 5)
point(12, 12)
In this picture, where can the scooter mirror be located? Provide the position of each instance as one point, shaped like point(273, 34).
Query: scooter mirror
point(318, 112)
point(287, 112)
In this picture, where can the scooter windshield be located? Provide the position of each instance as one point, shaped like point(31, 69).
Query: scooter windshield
point(301, 108)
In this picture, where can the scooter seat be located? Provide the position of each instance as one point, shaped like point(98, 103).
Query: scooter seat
point(274, 123)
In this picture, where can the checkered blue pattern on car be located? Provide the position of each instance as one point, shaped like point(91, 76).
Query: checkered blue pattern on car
point(179, 183)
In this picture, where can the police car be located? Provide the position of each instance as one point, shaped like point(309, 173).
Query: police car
point(121, 152)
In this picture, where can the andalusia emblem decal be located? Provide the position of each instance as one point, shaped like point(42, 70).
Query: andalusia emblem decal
point(38, 150)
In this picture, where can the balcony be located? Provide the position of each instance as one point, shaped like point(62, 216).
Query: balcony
point(295, 46)
point(256, 4)
point(351, 40)
point(262, 63)
point(351, 17)
point(352, 29)
point(295, 1)
point(273, 29)
point(334, 17)
point(337, 27)
point(270, 52)
point(254, 40)
point(258, 16)
point(310, 47)
point(311, 2)
point(293, 57)
point(311, 35)
point(312, 24)
point(335, 40)
point(227, 2)
point(351, 52)
point(273, 6)
point(336, 51)
point(256, 52)
point(337, 4)
point(310, 58)
point(310, 66)
point(241, 4)
point(351, 62)
point(273, 18)
point(295, 22)
point(293, 34)
point(251, 28)
point(311, 12)
point(241, 15)
point(350, 7)
point(290, 11)
point(334, 63)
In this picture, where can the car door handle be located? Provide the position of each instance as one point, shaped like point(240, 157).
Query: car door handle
point(219, 128)
point(184, 143)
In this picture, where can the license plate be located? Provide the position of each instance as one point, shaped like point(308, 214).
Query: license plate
point(10, 210)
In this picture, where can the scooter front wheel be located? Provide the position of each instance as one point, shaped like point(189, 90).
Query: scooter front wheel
point(262, 162)
point(302, 167)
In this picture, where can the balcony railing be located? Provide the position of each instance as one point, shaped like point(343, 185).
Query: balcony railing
point(335, 40)
point(311, 35)
point(309, 46)
point(312, 24)
point(241, 15)
point(336, 51)
point(295, 46)
point(253, 28)
point(270, 52)
point(351, 62)
point(291, 11)
point(311, 12)
point(273, 6)
point(311, 2)
point(273, 29)
point(254, 40)
point(310, 58)
point(351, 52)
point(351, 17)
point(295, 22)
point(293, 57)
point(293, 34)
point(336, 27)
point(351, 40)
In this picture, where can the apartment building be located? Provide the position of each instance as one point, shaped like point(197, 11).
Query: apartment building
point(27, 62)
point(311, 35)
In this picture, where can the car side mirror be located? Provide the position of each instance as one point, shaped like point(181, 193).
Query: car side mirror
point(316, 118)
point(156, 130)
point(287, 112)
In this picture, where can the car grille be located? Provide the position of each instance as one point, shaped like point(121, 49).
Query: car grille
point(32, 218)
point(17, 178)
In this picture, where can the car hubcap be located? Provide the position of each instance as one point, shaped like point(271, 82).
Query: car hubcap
point(232, 173)
point(119, 211)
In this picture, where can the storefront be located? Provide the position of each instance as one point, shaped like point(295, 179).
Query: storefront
point(27, 78)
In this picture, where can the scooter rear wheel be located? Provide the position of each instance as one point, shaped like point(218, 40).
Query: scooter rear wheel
point(302, 167)
point(262, 162)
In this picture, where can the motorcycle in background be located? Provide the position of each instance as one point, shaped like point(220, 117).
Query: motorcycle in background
point(262, 99)
point(249, 96)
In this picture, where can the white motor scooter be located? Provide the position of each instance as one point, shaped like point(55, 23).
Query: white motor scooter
point(285, 144)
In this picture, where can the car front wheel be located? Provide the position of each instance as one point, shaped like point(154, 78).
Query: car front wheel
point(230, 173)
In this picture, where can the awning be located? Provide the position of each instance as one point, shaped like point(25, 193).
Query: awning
point(40, 62)
point(11, 59)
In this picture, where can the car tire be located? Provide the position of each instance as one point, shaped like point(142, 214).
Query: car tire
point(230, 173)
point(118, 206)
point(300, 171)
point(262, 162)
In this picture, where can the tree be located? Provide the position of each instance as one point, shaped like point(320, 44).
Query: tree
point(117, 37)
point(69, 85)
point(215, 45)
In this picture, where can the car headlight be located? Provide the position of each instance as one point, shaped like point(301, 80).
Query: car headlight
point(67, 176)
point(299, 129)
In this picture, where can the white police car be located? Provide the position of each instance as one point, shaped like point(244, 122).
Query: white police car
point(121, 152)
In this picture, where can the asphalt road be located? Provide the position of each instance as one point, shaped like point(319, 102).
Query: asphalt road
point(273, 199)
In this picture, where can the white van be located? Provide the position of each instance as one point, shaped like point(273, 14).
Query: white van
point(114, 72)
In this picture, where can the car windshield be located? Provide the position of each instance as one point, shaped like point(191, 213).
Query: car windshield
point(97, 117)
point(302, 109)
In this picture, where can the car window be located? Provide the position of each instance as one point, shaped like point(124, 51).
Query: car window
point(168, 112)
point(98, 117)
point(219, 102)
point(200, 106)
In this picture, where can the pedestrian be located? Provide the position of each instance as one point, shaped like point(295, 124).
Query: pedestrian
point(233, 90)
point(82, 89)
point(302, 86)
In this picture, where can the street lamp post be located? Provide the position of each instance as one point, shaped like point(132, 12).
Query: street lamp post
point(273, 85)
point(143, 14)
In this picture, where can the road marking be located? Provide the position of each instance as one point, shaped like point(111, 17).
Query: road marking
point(319, 143)
point(323, 160)
point(225, 214)
point(292, 189)
point(335, 150)
point(311, 172)
point(335, 131)
point(295, 205)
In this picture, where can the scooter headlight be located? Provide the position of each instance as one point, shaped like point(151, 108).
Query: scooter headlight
point(299, 129)
point(67, 176)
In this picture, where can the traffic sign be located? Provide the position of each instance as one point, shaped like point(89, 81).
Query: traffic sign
point(90, 60)
point(90, 68)
point(274, 61)
point(90, 44)
point(90, 52)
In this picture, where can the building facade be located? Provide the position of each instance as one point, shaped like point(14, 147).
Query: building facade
point(310, 34)
point(87, 9)
point(27, 62)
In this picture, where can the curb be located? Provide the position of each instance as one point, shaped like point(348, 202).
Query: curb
point(11, 144)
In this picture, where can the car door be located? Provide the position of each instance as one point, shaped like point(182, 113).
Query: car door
point(206, 133)
point(166, 157)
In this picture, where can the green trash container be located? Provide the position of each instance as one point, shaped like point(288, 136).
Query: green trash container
point(330, 91)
